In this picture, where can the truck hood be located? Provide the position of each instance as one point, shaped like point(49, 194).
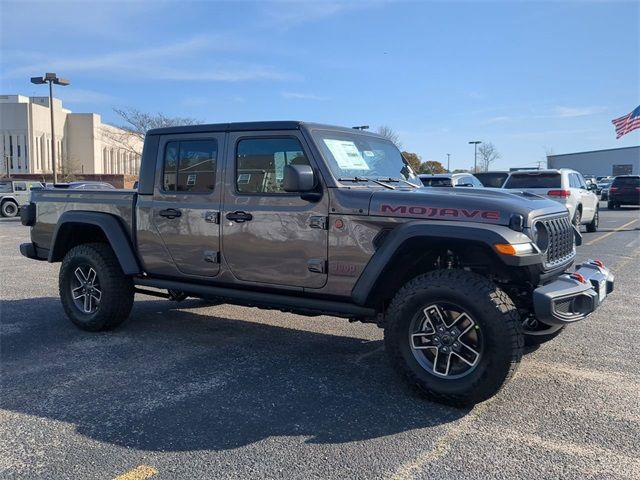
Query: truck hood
point(483, 205)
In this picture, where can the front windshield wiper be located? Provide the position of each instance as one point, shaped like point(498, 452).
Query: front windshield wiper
point(365, 179)
point(391, 179)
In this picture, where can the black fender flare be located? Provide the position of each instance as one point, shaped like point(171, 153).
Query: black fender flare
point(486, 234)
point(112, 229)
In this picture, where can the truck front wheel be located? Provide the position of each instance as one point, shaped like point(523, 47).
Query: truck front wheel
point(94, 292)
point(454, 335)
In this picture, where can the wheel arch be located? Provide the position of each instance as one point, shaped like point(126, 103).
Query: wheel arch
point(412, 249)
point(77, 227)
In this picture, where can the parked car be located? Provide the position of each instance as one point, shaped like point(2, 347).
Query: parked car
point(624, 190)
point(88, 185)
point(492, 179)
point(449, 180)
point(602, 188)
point(565, 186)
point(316, 219)
point(14, 193)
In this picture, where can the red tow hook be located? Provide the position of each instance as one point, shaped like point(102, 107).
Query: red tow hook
point(579, 277)
point(599, 263)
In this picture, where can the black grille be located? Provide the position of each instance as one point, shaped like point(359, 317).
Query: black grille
point(560, 240)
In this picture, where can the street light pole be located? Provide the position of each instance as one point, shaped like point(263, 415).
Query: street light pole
point(51, 78)
point(475, 154)
point(448, 161)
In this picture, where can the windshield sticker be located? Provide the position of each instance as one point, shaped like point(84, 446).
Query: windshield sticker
point(368, 153)
point(346, 154)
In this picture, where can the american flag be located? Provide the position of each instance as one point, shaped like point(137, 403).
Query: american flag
point(627, 123)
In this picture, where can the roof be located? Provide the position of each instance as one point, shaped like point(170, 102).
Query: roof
point(250, 126)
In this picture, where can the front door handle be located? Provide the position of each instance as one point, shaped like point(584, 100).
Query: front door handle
point(239, 217)
point(170, 213)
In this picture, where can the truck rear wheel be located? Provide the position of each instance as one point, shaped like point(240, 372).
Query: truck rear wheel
point(454, 335)
point(94, 292)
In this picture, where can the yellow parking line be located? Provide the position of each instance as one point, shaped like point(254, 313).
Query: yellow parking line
point(139, 473)
point(610, 233)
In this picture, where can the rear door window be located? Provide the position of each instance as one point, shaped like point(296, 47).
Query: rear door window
point(20, 187)
point(190, 166)
point(533, 180)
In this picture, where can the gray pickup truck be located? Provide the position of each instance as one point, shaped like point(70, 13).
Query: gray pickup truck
point(316, 219)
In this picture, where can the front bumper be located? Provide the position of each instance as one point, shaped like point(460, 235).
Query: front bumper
point(569, 299)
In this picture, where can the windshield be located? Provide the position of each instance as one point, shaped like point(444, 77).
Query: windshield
point(353, 156)
point(533, 180)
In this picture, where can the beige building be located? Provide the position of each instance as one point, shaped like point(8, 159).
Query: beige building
point(84, 145)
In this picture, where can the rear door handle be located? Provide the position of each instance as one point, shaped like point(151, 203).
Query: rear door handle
point(170, 213)
point(239, 217)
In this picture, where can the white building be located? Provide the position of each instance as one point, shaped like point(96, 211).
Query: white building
point(84, 144)
point(614, 161)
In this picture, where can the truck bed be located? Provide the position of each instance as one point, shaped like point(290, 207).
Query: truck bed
point(51, 204)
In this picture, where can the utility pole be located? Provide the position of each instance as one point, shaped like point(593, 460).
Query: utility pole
point(448, 161)
point(51, 78)
point(475, 154)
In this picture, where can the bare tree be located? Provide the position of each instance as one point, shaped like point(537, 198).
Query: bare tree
point(130, 135)
point(68, 169)
point(487, 154)
point(391, 135)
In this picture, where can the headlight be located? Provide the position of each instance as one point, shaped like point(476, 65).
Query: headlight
point(541, 236)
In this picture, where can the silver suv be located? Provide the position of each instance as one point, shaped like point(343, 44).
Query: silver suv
point(14, 193)
point(565, 186)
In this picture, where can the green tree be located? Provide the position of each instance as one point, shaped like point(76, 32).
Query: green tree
point(432, 166)
point(414, 161)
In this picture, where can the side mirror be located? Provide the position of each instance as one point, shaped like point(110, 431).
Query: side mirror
point(592, 186)
point(298, 178)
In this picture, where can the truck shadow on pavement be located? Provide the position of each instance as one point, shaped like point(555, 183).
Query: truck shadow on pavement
point(174, 380)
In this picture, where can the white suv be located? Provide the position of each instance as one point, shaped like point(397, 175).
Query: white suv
point(565, 186)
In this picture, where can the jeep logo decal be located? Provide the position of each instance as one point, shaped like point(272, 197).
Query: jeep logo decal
point(435, 212)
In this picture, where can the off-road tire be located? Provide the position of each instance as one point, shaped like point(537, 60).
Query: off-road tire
point(10, 209)
point(536, 340)
point(593, 225)
point(117, 290)
point(494, 313)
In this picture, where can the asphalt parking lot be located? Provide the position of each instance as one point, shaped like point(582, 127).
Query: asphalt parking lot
point(194, 390)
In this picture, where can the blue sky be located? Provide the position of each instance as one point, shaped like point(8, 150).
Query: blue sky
point(530, 77)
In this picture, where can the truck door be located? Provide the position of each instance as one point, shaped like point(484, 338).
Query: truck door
point(185, 208)
point(271, 236)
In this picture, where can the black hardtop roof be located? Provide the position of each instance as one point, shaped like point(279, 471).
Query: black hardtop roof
point(251, 126)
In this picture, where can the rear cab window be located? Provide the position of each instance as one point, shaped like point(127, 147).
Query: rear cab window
point(436, 182)
point(533, 180)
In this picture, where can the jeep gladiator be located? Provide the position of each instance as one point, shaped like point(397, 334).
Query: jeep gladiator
point(322, 220)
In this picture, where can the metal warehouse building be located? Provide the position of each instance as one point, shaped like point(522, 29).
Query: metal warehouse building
point(601, 163)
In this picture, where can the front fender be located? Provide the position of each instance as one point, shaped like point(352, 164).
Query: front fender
point(110, 226)
point(484, 234)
